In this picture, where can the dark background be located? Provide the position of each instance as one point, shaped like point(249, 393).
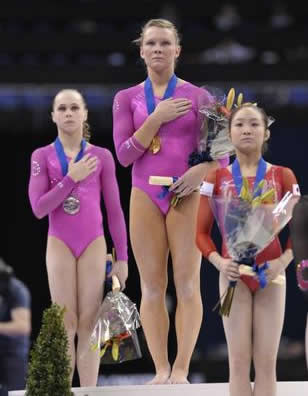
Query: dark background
point(46, 46)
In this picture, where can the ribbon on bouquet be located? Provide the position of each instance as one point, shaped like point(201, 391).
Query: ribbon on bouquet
point(165, 188)
point(114, 344)
point(261, 274)
point(165, 182)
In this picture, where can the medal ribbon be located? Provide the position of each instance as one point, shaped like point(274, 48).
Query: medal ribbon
point(238, 181)
point(149, 94)
point(62, 157)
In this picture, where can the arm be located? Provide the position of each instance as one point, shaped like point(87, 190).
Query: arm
point(19, 325)
point(115, 216)
point(128, 147)
point(130, 144)
point(19, 301)
point(44, 200)
point(205, 217)
point(288, 183)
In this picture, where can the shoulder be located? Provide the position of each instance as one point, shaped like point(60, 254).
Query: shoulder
point(129, 92)
point(188, 87)
point(42, 151)
point(286, 177)
point(198, 94)
point(283, 170)
point(104, 154)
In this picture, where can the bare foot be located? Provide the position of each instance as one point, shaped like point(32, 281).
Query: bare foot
point(160, 378)
point(178, 377)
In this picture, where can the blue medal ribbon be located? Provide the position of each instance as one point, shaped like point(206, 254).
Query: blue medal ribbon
point(62, 157)
point(238, 181)
point(165, 189)
point(149, 94)
point(260, 271)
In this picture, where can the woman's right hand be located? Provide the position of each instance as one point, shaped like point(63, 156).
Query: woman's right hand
point(82, 169)
point(230, 269)
point(170, 109)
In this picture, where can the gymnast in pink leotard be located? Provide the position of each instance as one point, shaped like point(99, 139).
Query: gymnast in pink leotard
point(67, 180)
point(156, 127)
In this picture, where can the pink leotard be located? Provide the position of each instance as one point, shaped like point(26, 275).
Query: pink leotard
point(178, 138)
point(48, 189)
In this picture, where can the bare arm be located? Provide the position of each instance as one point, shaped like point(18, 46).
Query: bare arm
point(20, 323)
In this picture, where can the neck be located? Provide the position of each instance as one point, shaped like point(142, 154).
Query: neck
point(70, 142)
point(160, 78)
point(248, 161)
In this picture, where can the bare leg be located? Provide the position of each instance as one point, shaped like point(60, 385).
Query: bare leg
point(150, 247)
point(268, 316)
point(61, 269)
point(90, 277)
point(186, 260)
point(238, 331)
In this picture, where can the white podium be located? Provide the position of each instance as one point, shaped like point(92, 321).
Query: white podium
point(211, 389)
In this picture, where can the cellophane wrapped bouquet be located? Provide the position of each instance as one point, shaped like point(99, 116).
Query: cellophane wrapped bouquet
point(248, 225)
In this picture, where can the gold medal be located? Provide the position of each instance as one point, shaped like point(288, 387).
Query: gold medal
point(155, 145)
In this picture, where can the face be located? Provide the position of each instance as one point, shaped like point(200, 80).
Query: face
point(248, 131)
point(159, 48)
point(69, 112)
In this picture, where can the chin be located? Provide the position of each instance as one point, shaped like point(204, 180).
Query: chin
point(248, 149)
point(159, 66)
point(70, 131)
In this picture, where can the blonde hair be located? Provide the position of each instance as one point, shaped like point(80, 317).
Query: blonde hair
point(160, 23)
point(86, 132)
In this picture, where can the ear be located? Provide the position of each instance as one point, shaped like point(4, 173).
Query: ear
point(178, 51)
point(141, 53)
point(267, 135)
point(85, 115)
point(53, 116)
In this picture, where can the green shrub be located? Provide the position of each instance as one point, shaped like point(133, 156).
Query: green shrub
point(49, 365)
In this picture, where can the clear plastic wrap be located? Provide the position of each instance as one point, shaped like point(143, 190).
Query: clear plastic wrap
point(214, 142)
point(248, 225)
point(115, 331)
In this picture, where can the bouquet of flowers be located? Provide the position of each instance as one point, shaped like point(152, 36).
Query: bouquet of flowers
point(248, 225)
point(115, 331)
point(215, 109)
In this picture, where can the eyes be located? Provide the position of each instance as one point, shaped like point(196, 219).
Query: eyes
point(163, 43)
point(253, 124)
point(63, 108)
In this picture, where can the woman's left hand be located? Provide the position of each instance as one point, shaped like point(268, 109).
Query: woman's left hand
point(275, 267)
point(191, 179)
point(120, 269)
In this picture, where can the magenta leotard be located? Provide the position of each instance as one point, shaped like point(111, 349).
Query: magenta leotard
point(48, 189)
point(178, 138)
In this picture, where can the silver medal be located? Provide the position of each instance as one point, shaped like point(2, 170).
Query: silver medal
point(71, 205)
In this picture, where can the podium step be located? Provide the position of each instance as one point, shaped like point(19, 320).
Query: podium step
point(215, 389)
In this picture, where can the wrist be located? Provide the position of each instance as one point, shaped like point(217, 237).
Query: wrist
point(73, 177)
point(155, 119)
point(216, 259)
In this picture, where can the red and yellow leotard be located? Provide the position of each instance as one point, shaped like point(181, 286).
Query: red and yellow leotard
point(281, 179)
